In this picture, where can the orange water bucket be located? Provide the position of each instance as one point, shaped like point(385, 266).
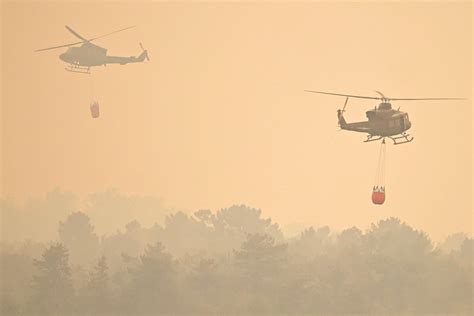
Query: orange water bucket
point(95, 113)
point(378, 197)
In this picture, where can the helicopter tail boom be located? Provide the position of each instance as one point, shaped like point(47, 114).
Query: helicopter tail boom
point(126, 60)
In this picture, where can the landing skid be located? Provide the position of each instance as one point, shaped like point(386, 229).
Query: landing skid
point(405, 138)
point(397, 140)
point(78, 69)
point(370, 138)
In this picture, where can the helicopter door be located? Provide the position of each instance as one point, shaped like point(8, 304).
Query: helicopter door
point(402, 122)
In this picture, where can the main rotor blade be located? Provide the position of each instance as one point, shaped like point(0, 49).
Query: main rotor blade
point(93, 39)
point(380, 98)
point(422, 99)
point(82, 38)
point(344, 95)
point(54, 47)
point(75, 33)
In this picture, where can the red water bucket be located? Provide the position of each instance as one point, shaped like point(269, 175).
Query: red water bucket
point(95, 110)
point(378, 197)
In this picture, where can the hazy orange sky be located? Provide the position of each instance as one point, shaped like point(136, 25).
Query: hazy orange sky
point(219, 116)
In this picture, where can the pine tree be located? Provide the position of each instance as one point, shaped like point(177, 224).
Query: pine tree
point(97, 292)
point(154, 283)
point(52, 285)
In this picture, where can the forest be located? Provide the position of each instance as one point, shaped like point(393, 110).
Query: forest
point(231, 261)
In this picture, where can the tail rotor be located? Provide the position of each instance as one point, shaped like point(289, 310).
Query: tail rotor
point(340, 116)
point(344, 107)
point(145, 52)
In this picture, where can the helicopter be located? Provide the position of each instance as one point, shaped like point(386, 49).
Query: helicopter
point(383, 121)
point(81, 59)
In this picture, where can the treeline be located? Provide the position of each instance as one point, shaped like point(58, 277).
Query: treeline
point(234, 262)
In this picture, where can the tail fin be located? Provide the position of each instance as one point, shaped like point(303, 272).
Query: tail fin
point(340, 117)
point(143, 55)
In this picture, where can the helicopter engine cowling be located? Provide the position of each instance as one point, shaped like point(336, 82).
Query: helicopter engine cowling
point(384, 106)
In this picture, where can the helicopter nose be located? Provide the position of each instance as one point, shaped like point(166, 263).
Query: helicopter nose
point(63, 57)
point(408, 125)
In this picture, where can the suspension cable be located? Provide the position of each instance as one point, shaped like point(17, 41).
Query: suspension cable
point(380, 172)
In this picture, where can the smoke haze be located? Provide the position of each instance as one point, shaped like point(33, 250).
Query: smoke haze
point(210, 169)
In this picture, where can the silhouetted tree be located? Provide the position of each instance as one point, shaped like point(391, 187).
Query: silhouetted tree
point(113, 206)
point(205, 216)
point(311, 242)
point(202, 284)
point(394, 239)
point(53, 289)
point(399, 257)
point(23, 219)
point(154, 284)
point(236, 262)
point(16, 271)
point(452, 243)
point(261, 260)
point(248, 221)
point(77, 234)
point(184, 234)
point(97, 293)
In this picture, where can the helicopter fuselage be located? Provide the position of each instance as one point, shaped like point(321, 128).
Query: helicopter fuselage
point(89, 55)
point(382, 121)
point(85, 55)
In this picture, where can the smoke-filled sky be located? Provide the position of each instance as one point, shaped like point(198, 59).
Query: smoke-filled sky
point(219, 116)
